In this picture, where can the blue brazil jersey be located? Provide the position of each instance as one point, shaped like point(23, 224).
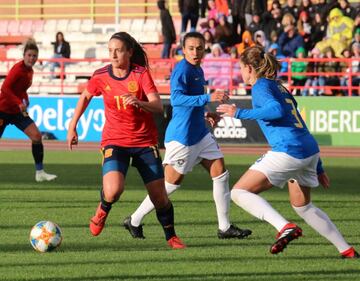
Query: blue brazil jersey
point(188, 100)
point(276, 112)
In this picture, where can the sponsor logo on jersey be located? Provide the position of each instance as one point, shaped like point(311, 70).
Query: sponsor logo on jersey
point(230, 128)
point(132, 86)
point(107, 88)
point(180, 162)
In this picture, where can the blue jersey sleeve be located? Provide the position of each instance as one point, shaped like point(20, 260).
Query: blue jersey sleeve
point(179, 88)
point(270, 111)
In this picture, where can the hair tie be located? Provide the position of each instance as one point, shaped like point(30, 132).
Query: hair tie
point(262, 54)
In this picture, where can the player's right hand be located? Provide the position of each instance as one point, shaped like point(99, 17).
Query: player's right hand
point(219, 95)
point(72, 139)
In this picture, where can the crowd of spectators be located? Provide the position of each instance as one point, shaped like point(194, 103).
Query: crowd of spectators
point(288, 29)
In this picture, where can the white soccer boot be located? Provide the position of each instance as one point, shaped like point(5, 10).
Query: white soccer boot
point(41, 176)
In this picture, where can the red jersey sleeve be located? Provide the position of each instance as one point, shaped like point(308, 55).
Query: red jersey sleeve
point(93, 86)
point(7, 87)
point(147, 83)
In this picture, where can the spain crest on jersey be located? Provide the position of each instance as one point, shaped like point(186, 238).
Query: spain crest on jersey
point(132, 86)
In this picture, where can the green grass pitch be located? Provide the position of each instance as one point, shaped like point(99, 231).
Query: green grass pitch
point(114, 255)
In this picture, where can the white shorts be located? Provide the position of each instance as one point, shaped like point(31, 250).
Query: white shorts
point(183, 158)
point(280, 167)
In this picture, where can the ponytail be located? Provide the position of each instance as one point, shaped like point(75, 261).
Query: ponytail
point(139, 55)
point(30, 44)
point(265, 64)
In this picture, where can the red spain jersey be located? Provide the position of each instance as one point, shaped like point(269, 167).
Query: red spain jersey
point(13, 90)
point(126, 126)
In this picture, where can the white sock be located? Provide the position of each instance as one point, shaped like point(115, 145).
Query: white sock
point(320, 221)
point(258, 207)
point(147, 206)
point(221, 194)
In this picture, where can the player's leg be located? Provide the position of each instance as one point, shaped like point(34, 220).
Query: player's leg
point(300, 200)
point(115, 165)
point(148, 163)
point(221, 195)
point(27, 125)
point(3, 123)
point(176, 163)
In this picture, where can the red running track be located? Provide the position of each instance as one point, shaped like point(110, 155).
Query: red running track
point(328, 151)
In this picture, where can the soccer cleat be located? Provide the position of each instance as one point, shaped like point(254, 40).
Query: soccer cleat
point(234, 232)
point(350, 254)
point(175, 243)
point(97, 222)
point(41, 176)
point(285, 236)
point(135, 231)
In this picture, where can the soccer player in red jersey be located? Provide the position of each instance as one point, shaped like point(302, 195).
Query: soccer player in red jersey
point(14, 102)
point(130, 99)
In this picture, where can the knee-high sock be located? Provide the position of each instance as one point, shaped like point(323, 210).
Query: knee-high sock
point(258, 207)
point(221, 194)
point(38, 155)
point(166, 218)
point(320, 221)
point(147, 206)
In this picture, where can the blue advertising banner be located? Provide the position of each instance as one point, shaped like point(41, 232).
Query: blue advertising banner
point(53, 114)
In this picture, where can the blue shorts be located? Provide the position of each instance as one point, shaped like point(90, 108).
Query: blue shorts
point(20, 120)
point(147, 160)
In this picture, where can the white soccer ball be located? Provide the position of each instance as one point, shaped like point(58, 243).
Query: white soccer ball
point(45, 236)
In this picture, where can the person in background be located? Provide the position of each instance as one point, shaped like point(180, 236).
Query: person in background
point(129, 135)
point(61, 50)
point(189, 10)
point(299, 67)
point(289, 40)
point(14, 102)
point(167, 29)
point(294, 157)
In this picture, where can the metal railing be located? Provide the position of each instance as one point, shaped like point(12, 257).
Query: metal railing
point(229, 76)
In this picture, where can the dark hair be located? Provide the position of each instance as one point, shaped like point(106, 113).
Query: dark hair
point(57, 35)
point(193, 35)
point(265, 64)
point(30, 44)
point(139, 55)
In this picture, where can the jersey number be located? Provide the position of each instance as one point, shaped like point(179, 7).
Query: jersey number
point(119, 102)
point(294, 112)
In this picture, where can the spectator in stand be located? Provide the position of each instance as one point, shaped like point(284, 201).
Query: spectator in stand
point(347, 9)
point(61, 50)
point(209, 41)
point(356, 36)
point(260, 39)
point(272, 22)
point(290, 40)
point(222, 7)
point(223, 32)
point(304, 28)
point(338, 34)
point(273, 37)
point(331, 67)
point(318, 30)
point(189, 10)
point(312, 81)
point(274, 49)
point(256, 24)
point(212, 11)
point(203, 8)
point(237, 8)
point(236, 75)
point(307, 6)
point(253, 7)
point(167, 29)
point(217, 67)
point(246, 42)
point(291, 8)
point(212, 23)
point(353, 52)
point(298, 67)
